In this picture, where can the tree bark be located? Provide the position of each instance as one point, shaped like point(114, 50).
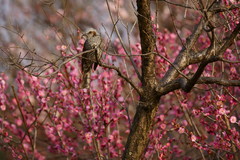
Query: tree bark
point(149, 100)
point(139, 134)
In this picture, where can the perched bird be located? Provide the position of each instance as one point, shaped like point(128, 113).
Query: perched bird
point(93, 41)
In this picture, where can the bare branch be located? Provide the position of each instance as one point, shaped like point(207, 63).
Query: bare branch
point(180, 83)
point(216, 9)
point(219, 81)
point(210, 57)
point(58, 68)
point(176, 4)
point(229, 40)
point(182, 60)
point(175, 67)
point(121, 41)
point(190, 83)
point(139, 90)
point(228, 61)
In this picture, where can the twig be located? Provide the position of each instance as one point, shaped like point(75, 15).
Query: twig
point(121, 41)
point(23, 118)
point(174, 66)
point(139, 90)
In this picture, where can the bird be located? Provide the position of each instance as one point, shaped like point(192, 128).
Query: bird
point(90, 59)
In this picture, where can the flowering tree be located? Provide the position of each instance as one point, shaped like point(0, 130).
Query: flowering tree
point(185, 91)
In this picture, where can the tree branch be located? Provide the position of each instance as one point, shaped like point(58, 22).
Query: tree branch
point(229, 40)
point(121, 41)
point(182, 60)
point(216, 9)
point(210, 57)
point(149, 100)
point(219, 81)
point(147, 43)
point(139, 90)
point(180, 83)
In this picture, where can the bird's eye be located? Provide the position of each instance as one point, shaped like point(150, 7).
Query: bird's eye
point(92, 33)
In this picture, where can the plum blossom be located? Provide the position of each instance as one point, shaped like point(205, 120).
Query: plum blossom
point(88, 137)
point(233, 119)
point(181, 130)
point(193, 138)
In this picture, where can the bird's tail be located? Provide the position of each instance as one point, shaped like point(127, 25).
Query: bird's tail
point(86, 80)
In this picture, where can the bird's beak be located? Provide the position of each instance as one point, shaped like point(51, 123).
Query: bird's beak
point(84, 36)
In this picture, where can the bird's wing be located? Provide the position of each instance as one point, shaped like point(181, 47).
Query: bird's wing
point(87, 58)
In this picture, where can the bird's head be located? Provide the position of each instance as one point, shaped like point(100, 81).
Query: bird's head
point(90, 33)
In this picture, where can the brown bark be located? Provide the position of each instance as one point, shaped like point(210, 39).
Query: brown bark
point(149, 100)
point(139, 135)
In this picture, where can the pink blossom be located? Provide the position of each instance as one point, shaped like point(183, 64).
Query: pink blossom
point(222, 111)
point(233, 70)
point(193, 138)
point(18, 122)
point(184, 122)
point(20, 156)
point(41, 93)
point(162, 117)
point(120, 99)
point(3, 107)
point(88, 137)
point(63, 47)
point(111, 138)
point(181, 130)
point(233, 119)
point(6, 140)
point(64, 92)
point(2, 84)
point(163, 126)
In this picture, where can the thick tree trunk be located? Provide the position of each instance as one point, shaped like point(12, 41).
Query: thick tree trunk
point(141, 127)
point(149, 100)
